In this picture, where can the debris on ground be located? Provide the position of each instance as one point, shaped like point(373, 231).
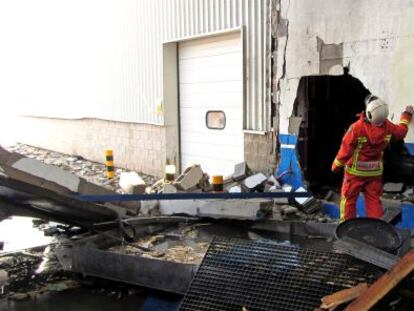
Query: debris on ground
point(31, 273)
point(132, 183)
point(393, 187)
point(194, 180)
point(190, 178)
point(91, 171)
point(181, 245)
point(255, 182)
point(241, 171)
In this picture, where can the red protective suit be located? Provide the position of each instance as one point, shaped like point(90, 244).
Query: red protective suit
point(361, 154)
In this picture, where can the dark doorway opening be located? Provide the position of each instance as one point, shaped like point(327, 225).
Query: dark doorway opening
point(328, 105)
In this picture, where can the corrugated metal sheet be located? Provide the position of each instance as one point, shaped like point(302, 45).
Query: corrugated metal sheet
point(112, 54)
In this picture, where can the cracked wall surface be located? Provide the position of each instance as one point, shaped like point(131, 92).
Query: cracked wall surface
point(320, 37)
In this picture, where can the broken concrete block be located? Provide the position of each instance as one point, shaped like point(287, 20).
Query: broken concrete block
point(308, 204)
point(271, 184)
point(231, 185)
point(288, 210)
point(219, 209)
point(168, 188)
point(149, 208)
point(228, 179)
point(191, 177)
point(240, 171)
point(132, 183)
point(255, 181)
point(409, 193)
point(235, 189)
point(279, 200)
point(204, 184)
point(48, 172)
point(273, 181)
point(393, 187)
point(277, 212)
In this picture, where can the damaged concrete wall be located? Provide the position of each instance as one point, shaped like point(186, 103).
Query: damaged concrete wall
point(259, 152)
point(374, 39)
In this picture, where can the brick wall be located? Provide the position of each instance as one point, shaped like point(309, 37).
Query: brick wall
point(139, 147)
point(258, 152)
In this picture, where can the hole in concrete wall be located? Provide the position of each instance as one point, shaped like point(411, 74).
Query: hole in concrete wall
point(328, 105)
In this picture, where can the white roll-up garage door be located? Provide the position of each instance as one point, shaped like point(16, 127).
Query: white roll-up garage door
point(211, 97)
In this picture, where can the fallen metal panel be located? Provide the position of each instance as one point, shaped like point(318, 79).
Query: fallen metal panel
point(151, 273)
point(366, 252)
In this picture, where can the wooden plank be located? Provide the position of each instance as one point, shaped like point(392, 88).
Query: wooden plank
point(384, 284)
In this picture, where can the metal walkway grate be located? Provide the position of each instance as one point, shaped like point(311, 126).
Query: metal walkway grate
point(266, 276)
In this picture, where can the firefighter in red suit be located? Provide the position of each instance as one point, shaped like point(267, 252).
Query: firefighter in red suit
point(361, 154)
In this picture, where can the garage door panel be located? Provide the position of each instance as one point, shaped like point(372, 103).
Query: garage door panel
point(230, 59)
point(210, 78)
point(228, 154)
point(219, 45)
point(232, 139)
point(218, 87)
point(214, 166)
point(211, 101)
point(213, 74)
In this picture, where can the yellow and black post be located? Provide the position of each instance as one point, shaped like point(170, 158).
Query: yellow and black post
point(217, 182)
point(109, 162)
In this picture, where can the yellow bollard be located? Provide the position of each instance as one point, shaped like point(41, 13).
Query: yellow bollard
point(109, 162)
point(170, 172)
point(217, 182)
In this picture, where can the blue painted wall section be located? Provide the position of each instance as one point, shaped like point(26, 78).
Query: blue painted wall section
point(410, 148)
point(289, 166)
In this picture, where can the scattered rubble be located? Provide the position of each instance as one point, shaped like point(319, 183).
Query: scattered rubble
point(91, 171)
point(287, 210)
point(393, 187)
point(132, 183)
point(194, 180)
point(168, 188)
point(255, 182)
point(241, 171)
point(308, 205)
point(235, 189)
point(190, 178)
point(230, 209)
point(180, 245)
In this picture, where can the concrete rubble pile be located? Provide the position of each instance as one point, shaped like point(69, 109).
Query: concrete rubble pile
point(399, 192)
point(194, 180)
point(92, 172)
point(29, 187)
point(57, 178)
point(180, 245)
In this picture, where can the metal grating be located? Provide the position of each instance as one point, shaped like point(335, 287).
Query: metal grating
point(267, 276)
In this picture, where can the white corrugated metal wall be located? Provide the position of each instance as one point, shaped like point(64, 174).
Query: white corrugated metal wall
point(103, 58)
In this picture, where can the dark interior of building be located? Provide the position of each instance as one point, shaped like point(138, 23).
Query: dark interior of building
point(328, 105)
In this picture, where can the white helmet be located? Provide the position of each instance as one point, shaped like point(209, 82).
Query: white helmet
point(376, 110)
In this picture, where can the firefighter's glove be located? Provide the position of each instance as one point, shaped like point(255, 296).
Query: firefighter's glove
point(335, 169)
